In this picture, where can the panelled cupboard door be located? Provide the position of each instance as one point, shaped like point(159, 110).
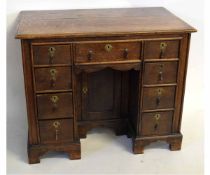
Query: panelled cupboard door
point(101, 95)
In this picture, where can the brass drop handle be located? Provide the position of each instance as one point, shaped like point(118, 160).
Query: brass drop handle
point(158, 101)
point(159, 94)
point(157, 117)
point(163, 46)
point(160, 74)
point(53, 74)
point(54, 99)
point(156, 127)
point(56, 125)
point(90, 55)
point(126, 53)
point(51, 52)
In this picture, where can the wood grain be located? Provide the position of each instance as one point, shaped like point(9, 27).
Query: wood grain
point(98, 22)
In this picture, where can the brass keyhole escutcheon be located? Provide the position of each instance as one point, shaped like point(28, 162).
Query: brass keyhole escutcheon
point(163, 46)
point(108, 47)
point(54, 98)
point(159, 91)
point(157, 117)
point(85, 90)
point(51, 51)
point(56, 124)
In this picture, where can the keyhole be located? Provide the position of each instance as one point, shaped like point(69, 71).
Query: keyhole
point(159, 92)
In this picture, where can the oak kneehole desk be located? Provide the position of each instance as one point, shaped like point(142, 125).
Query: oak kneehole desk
point(123, 69)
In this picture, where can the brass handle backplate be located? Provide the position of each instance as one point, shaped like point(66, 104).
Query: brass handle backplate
point(108, 47)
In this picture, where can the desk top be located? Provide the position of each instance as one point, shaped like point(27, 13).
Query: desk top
point(98, 22)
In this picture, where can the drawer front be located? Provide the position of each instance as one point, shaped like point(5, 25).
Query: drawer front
point(160, 73)
point(156, 123)
point(56, 131)
point(158, 97)
point(53, 106)
point(56, 78)
point(94, 52)
point(51, 54)
point(161, 49)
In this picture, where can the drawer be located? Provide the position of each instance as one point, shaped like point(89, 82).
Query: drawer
point(158, 97)
point(51, 54)
point(113, 51)
point(56, 78)
point(156, 123)
point(53, 106)
point(56, 131)
point(161, 49)
point(160, 72)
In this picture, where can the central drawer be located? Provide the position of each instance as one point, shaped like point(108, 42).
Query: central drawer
point(107, 51)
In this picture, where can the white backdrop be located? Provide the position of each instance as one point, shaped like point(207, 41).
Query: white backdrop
point(189, 10)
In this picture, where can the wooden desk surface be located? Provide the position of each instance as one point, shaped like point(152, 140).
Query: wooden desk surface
point(95, 22)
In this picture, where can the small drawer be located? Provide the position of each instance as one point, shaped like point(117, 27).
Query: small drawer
point(156, 123)
point(113, 51)
point(56, 78)
point(53, 106)
point(161, 72)
point(51, 54)
point(158, 97)
point(161, 49)
point(56, 131)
